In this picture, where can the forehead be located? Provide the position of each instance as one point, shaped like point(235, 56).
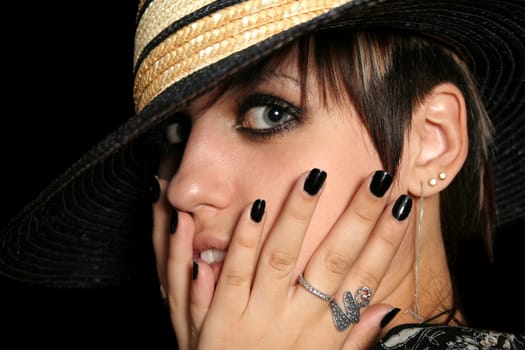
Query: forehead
point(280, 70)
point(287, 68)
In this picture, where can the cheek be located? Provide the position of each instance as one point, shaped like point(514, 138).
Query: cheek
point(348, 164)
point(344, 152)
point(332, 204)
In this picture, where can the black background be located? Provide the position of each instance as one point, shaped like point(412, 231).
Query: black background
point(67, 84)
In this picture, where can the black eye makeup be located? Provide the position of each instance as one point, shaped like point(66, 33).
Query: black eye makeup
point(266, 116)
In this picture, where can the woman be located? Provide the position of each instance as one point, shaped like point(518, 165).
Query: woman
point(283, 106)
point(319, 165)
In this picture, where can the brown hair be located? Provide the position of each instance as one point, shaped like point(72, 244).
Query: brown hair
point(386, 74)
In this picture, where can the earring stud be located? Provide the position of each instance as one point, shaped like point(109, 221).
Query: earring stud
point(433, 181)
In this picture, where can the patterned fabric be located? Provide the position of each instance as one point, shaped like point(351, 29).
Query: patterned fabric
point(428, 337)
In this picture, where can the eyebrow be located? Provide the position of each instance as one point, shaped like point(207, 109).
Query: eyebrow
point(271, 75)
point(258, 78)
point(252, 81)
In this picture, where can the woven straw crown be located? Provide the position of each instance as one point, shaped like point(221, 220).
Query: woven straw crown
point(210, 38)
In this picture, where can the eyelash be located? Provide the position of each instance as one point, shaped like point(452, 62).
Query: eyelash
point(266, 100)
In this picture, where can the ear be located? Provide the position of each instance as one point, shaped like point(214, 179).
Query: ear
point(438, 140)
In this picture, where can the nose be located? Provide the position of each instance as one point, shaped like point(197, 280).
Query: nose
point(204, 179)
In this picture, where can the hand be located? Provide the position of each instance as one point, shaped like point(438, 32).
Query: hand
point(257, 302)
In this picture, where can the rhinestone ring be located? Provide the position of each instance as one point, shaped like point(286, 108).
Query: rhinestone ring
point(352, 312)
point(314, 290)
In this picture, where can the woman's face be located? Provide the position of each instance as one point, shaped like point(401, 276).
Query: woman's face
point(254, 142)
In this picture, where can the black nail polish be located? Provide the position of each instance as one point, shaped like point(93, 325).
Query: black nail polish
point(381, 182)
point(389, 316)
point(257, 211)
point(194, 270)
point(174, 220)
point(154, 189)
point(314, 181)
point(402, 207)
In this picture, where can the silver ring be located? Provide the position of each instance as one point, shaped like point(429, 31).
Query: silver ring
point(352, 312)
point(342, 318)
point(314, 290)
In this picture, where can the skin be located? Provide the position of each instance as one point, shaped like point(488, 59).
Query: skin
point(341, 238)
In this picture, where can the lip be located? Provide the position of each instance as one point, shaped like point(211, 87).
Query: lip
point(204, 241)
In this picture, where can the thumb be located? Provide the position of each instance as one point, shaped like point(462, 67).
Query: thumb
point(366, 333)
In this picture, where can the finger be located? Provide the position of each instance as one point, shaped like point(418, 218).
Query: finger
point(179, 268)
point(160, 234)
point(201, 295)
point(281, 248)
point(234, 285)
point(376, 257)
point(333, 259)
point(366, 333)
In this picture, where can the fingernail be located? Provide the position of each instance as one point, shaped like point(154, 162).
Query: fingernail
point(314, 181)
point(257, 211)
point(174, 220)
point(389, 316)
point(154, 189)
point(380, 183)
point(402, 207)
point(194, 270)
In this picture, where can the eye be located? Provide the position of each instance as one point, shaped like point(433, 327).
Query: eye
point(170, 136)
point(177, 131)
point(266, 115)
point(174, 134)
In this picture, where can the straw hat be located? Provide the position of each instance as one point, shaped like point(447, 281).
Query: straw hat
point(92, 225)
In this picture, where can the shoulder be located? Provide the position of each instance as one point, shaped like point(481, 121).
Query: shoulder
point(426, 336)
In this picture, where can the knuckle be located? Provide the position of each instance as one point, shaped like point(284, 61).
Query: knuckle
point(281, 262)
point(195, 333)
point(195, 307)
point(246, 241)
point(236, 279)
point(391, 241)
point(336, 262)
point(366, 278)
point(299, 214)
point(392, 235)
point(366, 216)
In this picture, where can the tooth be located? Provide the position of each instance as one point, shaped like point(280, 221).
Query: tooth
point(219, 255)
point(211, 256)
point(207, 256)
